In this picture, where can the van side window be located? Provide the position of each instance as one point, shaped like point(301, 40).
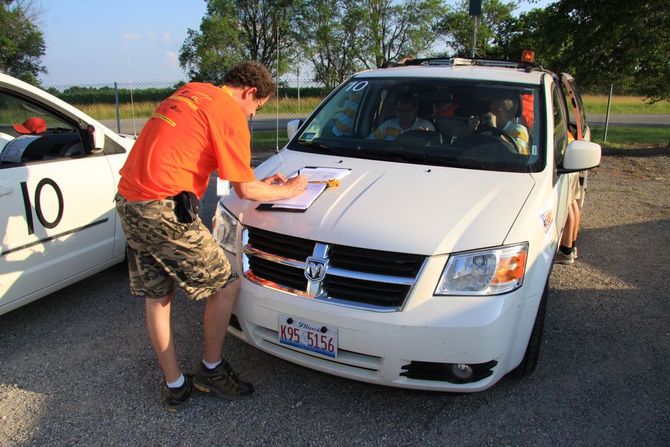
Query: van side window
point(29, 133)
point(560, 125)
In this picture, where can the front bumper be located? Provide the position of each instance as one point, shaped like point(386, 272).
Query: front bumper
point(400, 349)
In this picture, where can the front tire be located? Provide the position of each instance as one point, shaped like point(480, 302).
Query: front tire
point(530, 358)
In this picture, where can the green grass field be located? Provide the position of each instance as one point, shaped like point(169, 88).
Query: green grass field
point(629, 137)
point(267, 139)
point(290, 107)
point(635, 105)
point(285, 106)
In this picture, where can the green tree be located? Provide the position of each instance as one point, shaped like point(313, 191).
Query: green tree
point(21, 42)
point(603, 42)
point(493, 29)
point(344, 36)
point(391, 29)
point(620, 41)
point(330, 39)
point(235, 30)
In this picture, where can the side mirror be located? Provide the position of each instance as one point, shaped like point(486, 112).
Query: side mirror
point(580, 156)
point(292, 128)
point(95, 138)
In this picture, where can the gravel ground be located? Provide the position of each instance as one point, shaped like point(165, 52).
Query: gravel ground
point(77, 369)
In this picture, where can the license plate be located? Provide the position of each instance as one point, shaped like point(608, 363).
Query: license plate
point(308, 335)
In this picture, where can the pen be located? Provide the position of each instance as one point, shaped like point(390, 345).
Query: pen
point(332, 182)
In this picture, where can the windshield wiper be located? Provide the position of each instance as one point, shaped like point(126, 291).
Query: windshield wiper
point(386, 154)
point(315, 144)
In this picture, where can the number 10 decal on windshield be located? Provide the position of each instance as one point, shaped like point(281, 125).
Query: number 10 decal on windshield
point(38, 205)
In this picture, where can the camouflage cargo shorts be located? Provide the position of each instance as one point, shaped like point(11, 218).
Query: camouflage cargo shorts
point(162, 251)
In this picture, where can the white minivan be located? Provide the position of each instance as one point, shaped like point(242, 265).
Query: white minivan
point(58, 174)
point(425, 264)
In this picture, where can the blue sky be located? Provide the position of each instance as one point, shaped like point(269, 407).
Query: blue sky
point(100, 42)
point(91, 42)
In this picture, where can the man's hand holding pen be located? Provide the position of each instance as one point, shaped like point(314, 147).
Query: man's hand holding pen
point(295, 184)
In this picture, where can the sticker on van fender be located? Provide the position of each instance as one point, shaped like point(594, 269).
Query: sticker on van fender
point(547, 218)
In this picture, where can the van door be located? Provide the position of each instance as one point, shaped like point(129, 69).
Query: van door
point(562, 183)
point(576, 108)
point(578, 122)
point(57, 216)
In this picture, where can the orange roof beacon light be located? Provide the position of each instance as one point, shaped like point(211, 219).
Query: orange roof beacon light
point(528, 56)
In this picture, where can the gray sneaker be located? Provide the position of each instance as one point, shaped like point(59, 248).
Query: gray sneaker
point(222, 381)
point(562, 258)
point(176, 399)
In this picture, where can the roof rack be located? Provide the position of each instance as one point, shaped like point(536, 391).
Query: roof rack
point(464, 61)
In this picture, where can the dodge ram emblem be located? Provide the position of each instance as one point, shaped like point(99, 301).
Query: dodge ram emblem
point(315, 269)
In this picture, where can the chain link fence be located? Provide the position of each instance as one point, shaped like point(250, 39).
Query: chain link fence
point(617, 117)
point(125, 107)
point(620, 118)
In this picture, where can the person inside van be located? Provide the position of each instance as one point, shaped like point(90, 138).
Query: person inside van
point(502, 115)
point(406, 109)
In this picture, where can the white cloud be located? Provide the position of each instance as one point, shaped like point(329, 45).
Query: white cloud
point(163, 37)
point(132, 36)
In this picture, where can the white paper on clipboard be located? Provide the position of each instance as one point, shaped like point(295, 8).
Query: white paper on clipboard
point(313, 190)
point(316, 174)
point(302, 201)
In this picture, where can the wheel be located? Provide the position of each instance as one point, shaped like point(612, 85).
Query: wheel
point(529, 362)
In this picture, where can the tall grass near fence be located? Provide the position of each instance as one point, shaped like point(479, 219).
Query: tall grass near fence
point(285, 107)
point(596, 104)
point(634, 105)
point(631, 137)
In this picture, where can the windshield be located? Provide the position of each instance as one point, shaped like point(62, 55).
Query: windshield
point(473, 124)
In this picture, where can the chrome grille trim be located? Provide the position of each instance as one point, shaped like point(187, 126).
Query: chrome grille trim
point(336, 271)
point(400, 280)
point(398, 287)
point(250, 251)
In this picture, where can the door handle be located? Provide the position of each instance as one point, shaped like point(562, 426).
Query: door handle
point(5, 190)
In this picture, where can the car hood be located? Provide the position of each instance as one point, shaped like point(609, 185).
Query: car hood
point(395, 206)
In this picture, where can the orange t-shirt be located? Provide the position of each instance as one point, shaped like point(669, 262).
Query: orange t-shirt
point(192, 133)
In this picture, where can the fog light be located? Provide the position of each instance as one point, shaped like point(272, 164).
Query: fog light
point(462, 371)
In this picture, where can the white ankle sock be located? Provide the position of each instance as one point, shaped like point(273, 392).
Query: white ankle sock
point(177, 383)
point(211, 365)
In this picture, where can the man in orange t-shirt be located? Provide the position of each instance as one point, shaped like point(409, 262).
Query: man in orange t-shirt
point(199, 129)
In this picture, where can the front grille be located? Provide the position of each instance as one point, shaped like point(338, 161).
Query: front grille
point(375, 261)
point(355, 276)
point(281, 245)
point(284, 275)
point(369, 292)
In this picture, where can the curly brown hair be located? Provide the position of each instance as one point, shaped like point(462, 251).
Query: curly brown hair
point(251, 74)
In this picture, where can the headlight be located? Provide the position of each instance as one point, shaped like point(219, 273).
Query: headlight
point(224, 228)
point(485, 272)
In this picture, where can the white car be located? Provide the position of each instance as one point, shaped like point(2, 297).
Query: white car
point(427, 266)
point(58, 176)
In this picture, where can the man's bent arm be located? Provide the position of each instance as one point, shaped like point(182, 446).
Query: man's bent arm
point(261, 191)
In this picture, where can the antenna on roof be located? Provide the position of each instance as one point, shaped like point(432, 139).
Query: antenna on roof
point(475, 10)
point(130, 83)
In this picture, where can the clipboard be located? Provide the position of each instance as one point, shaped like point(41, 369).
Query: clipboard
point(318, 178)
